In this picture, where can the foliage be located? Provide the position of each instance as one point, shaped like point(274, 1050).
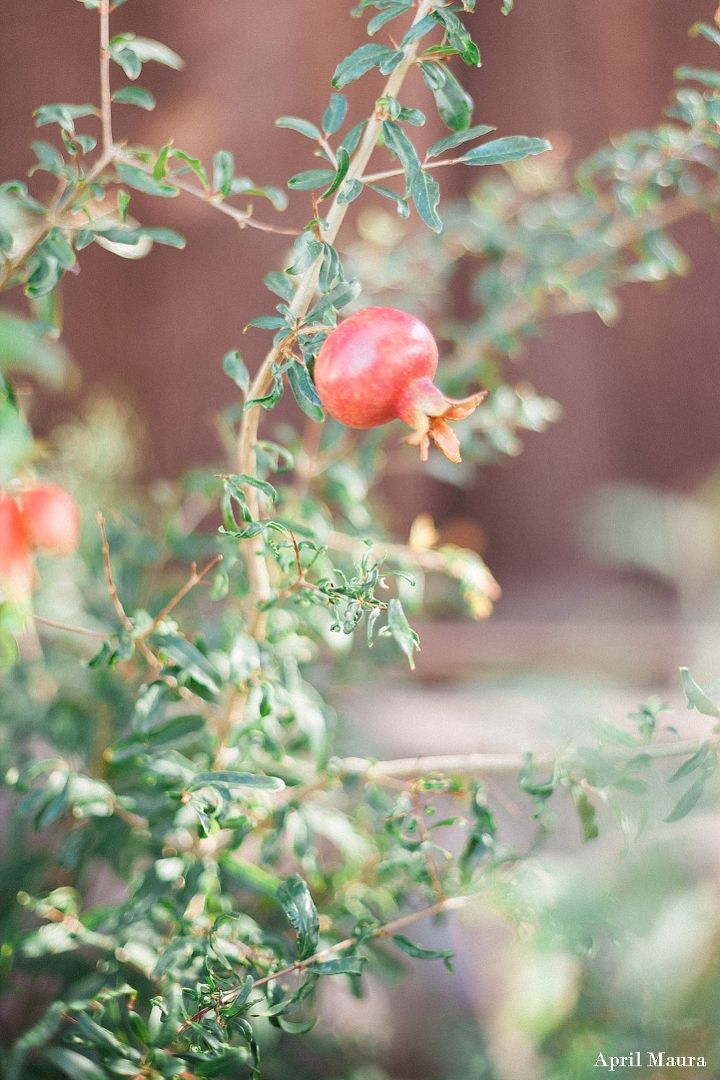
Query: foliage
point(168, 741)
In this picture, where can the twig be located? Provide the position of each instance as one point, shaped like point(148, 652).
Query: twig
point(105, 94)
point(242, 218)
point(399, 172)
point(193, 580)
point(68, 629)
point(109, 576)
point(495, 764)
point(451, 904)
point(425, 837)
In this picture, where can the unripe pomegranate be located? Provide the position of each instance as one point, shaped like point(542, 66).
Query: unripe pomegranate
point(377, 366)
point(52, 519)
point(17, 571)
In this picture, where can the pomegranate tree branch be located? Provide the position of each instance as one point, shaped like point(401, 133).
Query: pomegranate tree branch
point(69, 629)
point(105, 94)
point(253, 549)
point(194, 579)
point(127, 624)
point(451, 904)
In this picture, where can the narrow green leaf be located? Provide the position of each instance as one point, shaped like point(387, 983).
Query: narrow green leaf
point(405, 637)
point(419, 953)
point(392, 11)
point(223, 171)
point(312, 178)
point(419, 30)
point(297, 1028)
point(707, 31)
point(303, 126)
point(586, 814)
point(237, 779)
point(140, 180)
point(297, 903)
point(189, 659)
point(267, 322)
point(460, 137)
point(343, 164)
point(194, 163)
point(304, 392)
point(510, 148)
point(280, 284)
point(422, 188)
point(74, 1065)
point(454, 104)
point(343, 965)
point(696, 696)
point(352, 138)
point(363, 60)
point(403, 208)
point(234, 367)
point(134, 95)
point(688, 801)
point(692, 763)
point(335, 113)
point(350, 191)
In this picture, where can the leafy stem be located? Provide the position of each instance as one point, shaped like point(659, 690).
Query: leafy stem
point(253, 549)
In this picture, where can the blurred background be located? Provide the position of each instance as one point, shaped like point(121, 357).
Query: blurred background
point(604, 533)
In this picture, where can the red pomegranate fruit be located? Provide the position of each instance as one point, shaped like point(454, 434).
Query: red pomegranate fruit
point(17, 570)
point(377, 366)
point(51, 518)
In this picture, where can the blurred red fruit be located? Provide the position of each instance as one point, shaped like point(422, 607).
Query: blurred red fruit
point(52, 519)
point(17, 571)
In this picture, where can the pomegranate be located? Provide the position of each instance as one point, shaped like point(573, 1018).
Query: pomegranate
point(51, 518)
point(377, 366)
point(17, 571)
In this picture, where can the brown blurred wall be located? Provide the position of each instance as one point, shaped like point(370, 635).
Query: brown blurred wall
point(639, 399)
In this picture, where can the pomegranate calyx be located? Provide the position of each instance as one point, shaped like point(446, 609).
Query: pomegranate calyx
point(425, 409)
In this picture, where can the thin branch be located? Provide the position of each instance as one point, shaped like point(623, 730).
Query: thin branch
point(495, 764)
point(400, 172)
point(193, 580)
point(451, 904)
point(109, 576)
point(69, 629)
point(105, 94)
point(242, 217)
point(418, 809)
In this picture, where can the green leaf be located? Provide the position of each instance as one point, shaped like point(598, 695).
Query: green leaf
point(454, 104)
point(703, 75)
point(460, 137)
point(303, 126)
point(194, 163)
point(363, 60)
point(352, 138)
point(343, 293)
point(335, 113)
point(707, 31)
point(403, 208)
point(133, 236)
point(144, 50)
point(280, 284)
point(586, 813)
point(343, 164)
point(304, 391)
point(140, 180)
point(419, 30)
point(39, 1033)
point(688, 801)
point(223, 171)
point(615, 734)
point(297, 903)
point(234, 367)
point(49, 160)
point(698, 758)
point(23, 348)
point(64, 115)
point(696, 697)
point(262, 485)
point(511, 148)
point(298, 1028)
point(306, 251)
point(270, 400)
point(312, 178)
point(392, 11)
point(134, 95)
point(74, 1065)
point(342, 965)
point(231, 1062)
point(400, 629)
point(459, 37)
point(351, 190)
point(235, 780)
point(422, 188)
point(418, 953)
point(268, 322)
point(189, 659)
